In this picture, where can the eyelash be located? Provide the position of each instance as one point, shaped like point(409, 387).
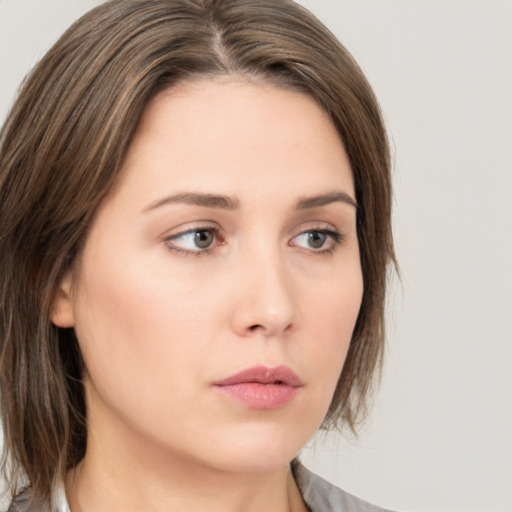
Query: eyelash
point(335, 236)
point(195, 252)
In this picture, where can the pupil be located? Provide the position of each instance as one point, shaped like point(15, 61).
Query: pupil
point(316, 239)
point(203, 239)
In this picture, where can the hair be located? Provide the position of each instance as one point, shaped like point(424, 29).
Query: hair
point(61, 150)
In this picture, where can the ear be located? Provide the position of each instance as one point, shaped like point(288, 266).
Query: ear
point(62, 313)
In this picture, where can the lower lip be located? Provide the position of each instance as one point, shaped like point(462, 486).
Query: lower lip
point(260, 396)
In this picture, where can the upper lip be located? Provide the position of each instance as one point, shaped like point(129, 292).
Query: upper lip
point(263, 375)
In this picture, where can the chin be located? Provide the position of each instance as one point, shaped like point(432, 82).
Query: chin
point(258, 448)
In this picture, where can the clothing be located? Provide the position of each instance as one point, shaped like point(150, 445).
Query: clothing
point(24, 503)
point(318, 494)
point(321, 496)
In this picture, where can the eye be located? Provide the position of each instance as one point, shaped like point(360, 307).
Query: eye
point(198, 240)
point(318, 240)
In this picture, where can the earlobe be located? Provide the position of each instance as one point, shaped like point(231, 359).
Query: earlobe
point(62, 314)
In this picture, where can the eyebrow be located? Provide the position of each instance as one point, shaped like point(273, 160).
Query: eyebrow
point(325, 199)
point(206, 200)
point(232, 203)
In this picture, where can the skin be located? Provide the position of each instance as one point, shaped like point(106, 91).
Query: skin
point(159, 319)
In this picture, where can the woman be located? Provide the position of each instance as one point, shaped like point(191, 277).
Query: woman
point(195, 212)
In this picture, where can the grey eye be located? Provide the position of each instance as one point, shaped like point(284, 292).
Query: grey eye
point(203, 239)
point(316, 239)
point(194, 240)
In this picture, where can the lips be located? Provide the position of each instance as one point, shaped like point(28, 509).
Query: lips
point(260, 387)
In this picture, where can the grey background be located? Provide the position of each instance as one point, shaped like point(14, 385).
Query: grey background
point(439, 437)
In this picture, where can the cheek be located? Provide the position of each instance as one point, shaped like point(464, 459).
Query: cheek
point(334, 307)
point(126, 321)
point(140, 324)
point(135, 335)
point(331, 317)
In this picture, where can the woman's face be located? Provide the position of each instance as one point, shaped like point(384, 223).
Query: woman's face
point(228, 245)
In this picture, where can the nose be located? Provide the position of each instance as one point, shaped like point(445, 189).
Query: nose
point(264, 300)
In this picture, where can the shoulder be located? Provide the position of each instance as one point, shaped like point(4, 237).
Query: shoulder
point(26, 502)
point(321, 496)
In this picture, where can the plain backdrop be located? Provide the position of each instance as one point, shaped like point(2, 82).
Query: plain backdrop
point(440, 434)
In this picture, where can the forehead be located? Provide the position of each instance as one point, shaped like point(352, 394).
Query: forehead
point(233, 137)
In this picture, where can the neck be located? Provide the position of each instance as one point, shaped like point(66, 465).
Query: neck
point(117, 487)
point(123, 474)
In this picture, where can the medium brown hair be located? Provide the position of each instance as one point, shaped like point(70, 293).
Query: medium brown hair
point(61, 149)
